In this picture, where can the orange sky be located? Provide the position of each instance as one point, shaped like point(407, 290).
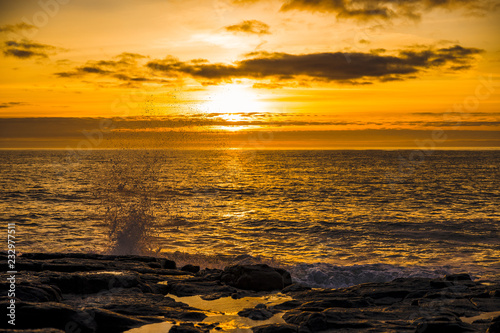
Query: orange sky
point(263, 74)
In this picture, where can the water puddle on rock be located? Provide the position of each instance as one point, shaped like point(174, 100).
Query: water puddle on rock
point(224, 313)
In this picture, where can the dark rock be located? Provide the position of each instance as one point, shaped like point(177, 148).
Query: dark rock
point(132, 303)
point(258, 277)
point(167, 264)
point(158, 288)
point(294, 288)
point(276, 328)
point(287, 277)
point(438, 284)
point(154, 265)
point(495, 325)
point(192, 316)
point(87, 283)
point(42, 330)
point(49, 315)
point(36, 292)
point(212, 288)
point(444, 326)
point(256, 314)
point(486, 304)
point(288, 305)
point(190, 268)
point(458, 277)
point(71, 267)
point(315, 321)
point(112, 322)
point(387, 292)
point(336, 303)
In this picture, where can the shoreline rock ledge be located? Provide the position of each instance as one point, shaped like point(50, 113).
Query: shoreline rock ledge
point(91, 293)
point(259, 277)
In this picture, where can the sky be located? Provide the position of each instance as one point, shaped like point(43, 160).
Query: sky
point(287, 74)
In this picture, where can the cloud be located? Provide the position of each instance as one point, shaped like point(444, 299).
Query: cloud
point(123, 67)
point(10, 104)
point(16, 27)
point(26, 49)
point(383, 9)
point(249, 27)
point(352, 68)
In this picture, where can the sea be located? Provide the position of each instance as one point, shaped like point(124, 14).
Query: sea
point(333, 218)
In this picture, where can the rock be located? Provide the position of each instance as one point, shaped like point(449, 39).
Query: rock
point(486, 304)
point(458, 277)
point(495, 325)
point(444, 326)
point(295, 287)
point(287, 277)
point(208, 288)
point(259, 277)
point(42, 330)
point(36, 292)
point(190, 268)
point(276, 328)
point(167, 264)
point(112, 322)
point(50, 315)
point(256, 313)
point(88, 283)
point(314, 321)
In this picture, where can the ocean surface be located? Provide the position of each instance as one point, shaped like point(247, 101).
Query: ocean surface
point(333, 218)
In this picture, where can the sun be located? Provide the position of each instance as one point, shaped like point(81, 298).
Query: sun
point(230, 100)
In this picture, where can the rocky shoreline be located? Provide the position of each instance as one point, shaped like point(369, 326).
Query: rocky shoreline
point(76, 292)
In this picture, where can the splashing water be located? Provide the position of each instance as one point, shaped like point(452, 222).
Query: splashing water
point(130, 206)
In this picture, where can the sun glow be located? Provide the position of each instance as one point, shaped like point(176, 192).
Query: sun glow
point(231, 100)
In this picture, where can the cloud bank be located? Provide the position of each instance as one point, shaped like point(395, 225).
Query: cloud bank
point(383, 9)
point(354, 68)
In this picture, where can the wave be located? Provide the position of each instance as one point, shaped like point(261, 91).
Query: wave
point(326, 275)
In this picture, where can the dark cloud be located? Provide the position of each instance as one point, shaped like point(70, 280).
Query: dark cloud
point(249, 27)
point(16, 27)
point(383, 9)
point(27, 49)
point(10, 104)
point(353, 68)
point(124, 67)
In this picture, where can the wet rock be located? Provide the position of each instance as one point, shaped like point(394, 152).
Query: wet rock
point(258, 277)
point(49, 315)
point(275, 328)
point(71, 267)
point(112, 322)
point(87, 283)
point(458, 277)
point(335, 303)
point(494, 326)
point(486, 304)
point(444, 326)
point(36, 292)
point(294, 288)
point(287, 277)
point(167, 264)
point(189, 288)
point(256, 313)
point(190, 268)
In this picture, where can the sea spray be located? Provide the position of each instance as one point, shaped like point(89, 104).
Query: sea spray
point(129, 205)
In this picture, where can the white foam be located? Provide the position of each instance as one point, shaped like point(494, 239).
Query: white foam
point(323, 275)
